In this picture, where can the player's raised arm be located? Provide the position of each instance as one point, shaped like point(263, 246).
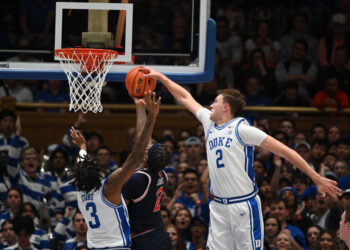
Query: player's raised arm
point(122, 174)
point(323, 184)
point(178, 92)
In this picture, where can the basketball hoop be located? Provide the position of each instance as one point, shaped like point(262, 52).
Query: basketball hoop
point(86, 70)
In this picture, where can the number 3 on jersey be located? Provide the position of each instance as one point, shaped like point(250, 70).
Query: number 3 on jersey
point(95, 222)
point(219, 158)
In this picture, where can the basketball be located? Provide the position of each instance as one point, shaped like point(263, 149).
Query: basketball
point(137, 84)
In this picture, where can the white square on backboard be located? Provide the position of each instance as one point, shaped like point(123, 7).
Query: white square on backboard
point(128, 7)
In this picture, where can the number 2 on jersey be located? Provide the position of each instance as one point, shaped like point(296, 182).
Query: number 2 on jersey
point(91, 207)
point(219, 154)
point(159, 197)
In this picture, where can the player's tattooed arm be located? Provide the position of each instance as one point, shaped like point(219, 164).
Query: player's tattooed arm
point(136, 156)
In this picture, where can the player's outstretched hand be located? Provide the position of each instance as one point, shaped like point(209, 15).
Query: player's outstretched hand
point(152, 105)
point(150, 72)
point(325, 185)
point(77, 138)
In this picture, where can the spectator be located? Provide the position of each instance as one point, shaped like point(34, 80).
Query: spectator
point(291, 97)
point(338, 36)
point(284, 240)
point(253, 93)
point(327, 216)
point(36, 21)
point(338, 69)
point(258, 66)
point(229, 44)
point(224, 73)
point(193, 149)
point(10, 138)
point(279, 210)
point(334, 134)
point(299, 184)
point(300, 31)
point(318, 151)
point(327, 240)
point(206, 92)
point(104, 158)
point(198, 232)
point(298, 68)
point(24, 229)
point(263, 41)
point(195, 201)
point(235, 13)
point(8, 233)
point(175, 237)
point(165, 213)
point(343, 150)
point(64, 229)
point(39, 237)
point(313, 235)
point(319, 132)
point(55, 92)
point(272, 228)
point(5, 184)
point(341, 168)
point(16, 89)
point(37, 187)
point(331, 96)
point(14, 199)
point(182, 221)
point(288, 126)
point(275, 13)
point(80, 228)
point(59, 170)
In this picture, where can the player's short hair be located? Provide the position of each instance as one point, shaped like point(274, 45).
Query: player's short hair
point(86, 175)
point(235, 99)
point(158, 157)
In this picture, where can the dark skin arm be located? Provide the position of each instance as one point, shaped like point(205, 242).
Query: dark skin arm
point(115, 181)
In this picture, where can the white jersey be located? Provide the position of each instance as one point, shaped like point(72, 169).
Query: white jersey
point(108, 224)
point(230, 157)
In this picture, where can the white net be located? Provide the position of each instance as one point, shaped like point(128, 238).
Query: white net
point(86, 70)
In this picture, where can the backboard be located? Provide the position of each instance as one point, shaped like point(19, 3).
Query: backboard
point(176, 37)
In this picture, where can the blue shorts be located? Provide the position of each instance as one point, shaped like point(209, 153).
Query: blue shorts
point(155, 239)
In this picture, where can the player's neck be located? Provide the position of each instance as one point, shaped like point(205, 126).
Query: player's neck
point(223, 119)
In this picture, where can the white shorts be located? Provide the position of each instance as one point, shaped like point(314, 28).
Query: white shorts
point(236, 226)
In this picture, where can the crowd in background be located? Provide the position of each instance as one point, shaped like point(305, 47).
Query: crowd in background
point(290, 53)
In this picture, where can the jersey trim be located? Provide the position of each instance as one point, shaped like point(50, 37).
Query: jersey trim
point(105, 201)
point(146, 190)
point(225, 125)
point(237, 134)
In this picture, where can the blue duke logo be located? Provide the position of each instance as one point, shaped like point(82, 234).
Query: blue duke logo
point(219, 142)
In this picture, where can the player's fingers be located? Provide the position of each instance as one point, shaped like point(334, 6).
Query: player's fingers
point(145, 69)
point(159, 100)
point(153, 97)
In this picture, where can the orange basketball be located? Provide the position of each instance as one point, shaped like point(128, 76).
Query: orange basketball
point(137, 84)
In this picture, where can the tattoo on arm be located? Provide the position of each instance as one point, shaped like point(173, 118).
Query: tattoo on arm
point(136, 156)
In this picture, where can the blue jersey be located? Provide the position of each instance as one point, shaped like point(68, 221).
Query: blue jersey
point(144, 191)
